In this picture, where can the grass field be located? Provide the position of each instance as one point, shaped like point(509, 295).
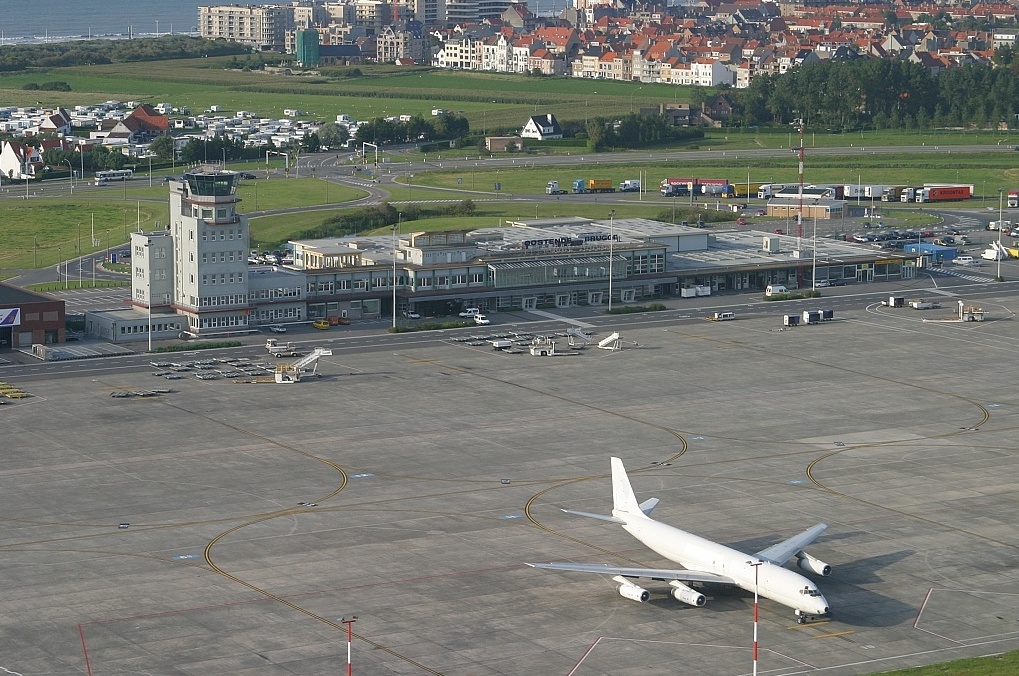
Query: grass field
point(490, 100)
point(1006, 664)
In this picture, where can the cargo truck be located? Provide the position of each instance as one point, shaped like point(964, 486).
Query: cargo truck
point(944, 193)
point(892, 193)
point(743, 190)
point(1013, 199)
point(908, 194)
point(586, 185)
point(630, 185)
point(677, 187)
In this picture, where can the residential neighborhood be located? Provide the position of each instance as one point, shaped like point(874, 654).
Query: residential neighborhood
point(704, 44)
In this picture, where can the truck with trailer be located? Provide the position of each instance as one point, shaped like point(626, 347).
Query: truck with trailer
point(677, 187)
point(892, 193)
point(766, 190)
point(862, 190)
point(714, 187)
point(587, 185)
point(743, 191)
point(1013, 199)
point(630, 185)
point(552, 188)
point(681, 187)
point(944, 193)
point(908, 194)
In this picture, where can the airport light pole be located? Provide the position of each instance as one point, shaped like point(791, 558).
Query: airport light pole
point(349, 621)
point(70, 174)
point(757, 567)
point(148, 294)
point(997, 252)
point(396, 228)
point(612, 238)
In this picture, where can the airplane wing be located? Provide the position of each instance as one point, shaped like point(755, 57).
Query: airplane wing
point(787, 549)
point(651, 573)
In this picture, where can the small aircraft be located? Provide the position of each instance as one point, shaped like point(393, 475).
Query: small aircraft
point(704, 561)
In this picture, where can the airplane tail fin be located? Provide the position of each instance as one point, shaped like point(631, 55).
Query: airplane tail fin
point(623, 499)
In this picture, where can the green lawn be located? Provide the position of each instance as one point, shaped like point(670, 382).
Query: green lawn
point(998, 665)
point(49, 230)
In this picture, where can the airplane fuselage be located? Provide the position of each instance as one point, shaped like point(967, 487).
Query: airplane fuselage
point(696, 553)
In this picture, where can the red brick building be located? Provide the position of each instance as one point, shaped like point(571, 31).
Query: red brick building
point(28, 318)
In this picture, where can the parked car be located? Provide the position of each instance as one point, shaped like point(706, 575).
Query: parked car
point(276, 328)
point(321, 324)
point(410, 314)
point(248, 176)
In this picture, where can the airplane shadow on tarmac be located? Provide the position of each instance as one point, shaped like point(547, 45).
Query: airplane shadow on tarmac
point(863, 607)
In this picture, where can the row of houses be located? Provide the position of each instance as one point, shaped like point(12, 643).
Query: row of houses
point(707, 43)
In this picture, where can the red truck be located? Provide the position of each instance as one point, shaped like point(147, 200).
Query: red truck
point(944, 193)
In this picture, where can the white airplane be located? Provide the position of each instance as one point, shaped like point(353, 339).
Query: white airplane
point(705, 561)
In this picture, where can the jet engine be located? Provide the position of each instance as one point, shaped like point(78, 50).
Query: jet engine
point(629, 590)
point(681, 592)
point(807, 562)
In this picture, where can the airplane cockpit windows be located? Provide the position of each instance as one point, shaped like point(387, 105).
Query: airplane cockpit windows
point(807, 591)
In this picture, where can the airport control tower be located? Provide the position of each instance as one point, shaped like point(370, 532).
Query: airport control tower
point(210, 251)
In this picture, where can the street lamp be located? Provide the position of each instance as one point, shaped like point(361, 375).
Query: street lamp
point(997, 252)
point(58, 265)
point(612, 238)
point(757, 568)
point(70, 174)
point(349, 621)
point(631, 97)
point(148, 283)
point(396, 228)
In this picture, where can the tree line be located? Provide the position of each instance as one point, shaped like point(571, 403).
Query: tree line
point(863, 94)
point(89, 52)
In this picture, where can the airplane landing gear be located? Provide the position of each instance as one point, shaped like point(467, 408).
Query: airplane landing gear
point(803, 618)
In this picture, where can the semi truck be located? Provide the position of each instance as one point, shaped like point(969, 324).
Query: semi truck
point(944, 193)
point(676, 187)
point(743, 190)
point(892, 193)
point(908, 194)
point(1013, 199)
point(630, 185)
point(552, 188)
point(586, 185)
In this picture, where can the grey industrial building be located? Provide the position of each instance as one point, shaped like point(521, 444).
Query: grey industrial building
point(195, 277)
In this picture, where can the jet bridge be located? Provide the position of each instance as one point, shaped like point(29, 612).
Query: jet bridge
point(291, 373)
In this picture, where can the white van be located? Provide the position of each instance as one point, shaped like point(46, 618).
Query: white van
point(723, 316)
point(965, 260)
point(774, 289)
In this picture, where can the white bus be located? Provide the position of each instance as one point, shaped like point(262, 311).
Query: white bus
point(104, 177)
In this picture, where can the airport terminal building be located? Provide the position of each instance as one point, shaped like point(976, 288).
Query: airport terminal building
point(195, 279)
